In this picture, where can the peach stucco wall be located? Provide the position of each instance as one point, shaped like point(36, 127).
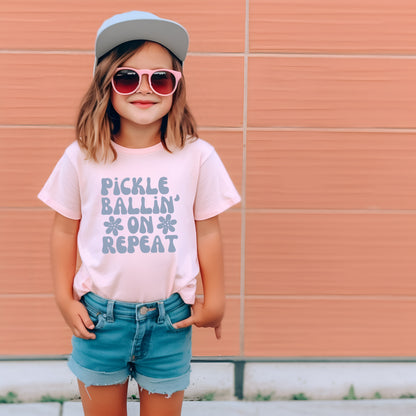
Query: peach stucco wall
point(311, 105)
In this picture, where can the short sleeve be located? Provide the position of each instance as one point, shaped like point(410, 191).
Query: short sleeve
point(215, 190)
point(61, 190)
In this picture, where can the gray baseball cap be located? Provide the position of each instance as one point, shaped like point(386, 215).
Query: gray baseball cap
point(137, 25)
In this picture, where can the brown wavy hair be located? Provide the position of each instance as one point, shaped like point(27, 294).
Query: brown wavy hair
point(98, 122)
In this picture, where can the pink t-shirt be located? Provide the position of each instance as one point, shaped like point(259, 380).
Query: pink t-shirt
point(137, 239)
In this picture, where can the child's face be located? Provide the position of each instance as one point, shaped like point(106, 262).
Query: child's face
point(144, 107)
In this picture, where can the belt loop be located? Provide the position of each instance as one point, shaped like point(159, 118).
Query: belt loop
point(161, 317)
point(110, 311)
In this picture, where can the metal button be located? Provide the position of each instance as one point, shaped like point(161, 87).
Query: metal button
point(144, 310)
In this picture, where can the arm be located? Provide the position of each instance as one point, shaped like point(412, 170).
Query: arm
point(64, 259)
point(210, 312)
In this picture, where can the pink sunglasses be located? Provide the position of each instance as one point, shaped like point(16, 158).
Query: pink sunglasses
point(163, 82)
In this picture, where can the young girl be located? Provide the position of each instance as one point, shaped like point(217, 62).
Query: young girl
point(137, 195)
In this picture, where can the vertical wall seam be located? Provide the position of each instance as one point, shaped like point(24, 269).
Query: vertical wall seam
point(243, 187)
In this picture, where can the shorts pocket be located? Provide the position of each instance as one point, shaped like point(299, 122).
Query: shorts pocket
point(179, 314)
point(97, 317)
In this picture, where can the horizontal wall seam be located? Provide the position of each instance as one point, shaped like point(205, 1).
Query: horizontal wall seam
point(330, 211)
point(47, 209)
point(254, 54)
point(266, 210)
point(26, 295)
point(364, 297)
point(345, 297)
point(335, 129)
point(51, 295)
point(241, 129)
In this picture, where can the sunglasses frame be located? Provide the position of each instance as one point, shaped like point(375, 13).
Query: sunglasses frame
point(149, 73)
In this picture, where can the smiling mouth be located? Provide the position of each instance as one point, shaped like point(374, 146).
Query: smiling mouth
point(144, 104)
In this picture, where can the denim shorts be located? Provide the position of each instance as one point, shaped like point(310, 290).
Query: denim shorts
point(136, 340)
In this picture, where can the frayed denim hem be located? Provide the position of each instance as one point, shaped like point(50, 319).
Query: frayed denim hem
point(166, 386)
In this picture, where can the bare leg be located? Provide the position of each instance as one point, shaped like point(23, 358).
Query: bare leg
point(104, 400)
point(157, 404)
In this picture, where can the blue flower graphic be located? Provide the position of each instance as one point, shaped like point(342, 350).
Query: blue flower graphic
point(167, 224)
point(113, 225)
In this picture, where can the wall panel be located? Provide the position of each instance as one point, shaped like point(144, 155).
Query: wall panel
point(27, 157)
point(324, 327)
point(36, 327)
point(330, 253)
point(327, 26)
point(301, 169)
point(337, 92)
point(33, 97)
point(216, 90)
point(24, 252)
point(49, 24)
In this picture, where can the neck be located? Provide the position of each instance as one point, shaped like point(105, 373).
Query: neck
point(136, 137)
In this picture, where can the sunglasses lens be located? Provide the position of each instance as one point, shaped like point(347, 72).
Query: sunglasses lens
point(126, 81)
point(163, 82)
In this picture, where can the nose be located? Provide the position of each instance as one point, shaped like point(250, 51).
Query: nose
point(145, 85)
